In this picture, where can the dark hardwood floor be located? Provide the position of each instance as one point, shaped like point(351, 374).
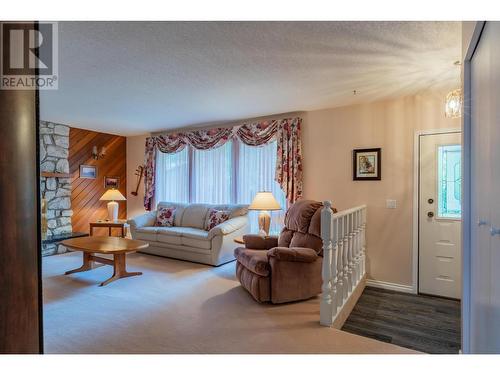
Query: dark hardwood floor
point(425, 323)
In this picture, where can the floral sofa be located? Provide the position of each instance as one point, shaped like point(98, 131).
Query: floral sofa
point(188, 237)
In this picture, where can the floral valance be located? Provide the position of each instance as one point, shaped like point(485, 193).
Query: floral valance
point(285, 131)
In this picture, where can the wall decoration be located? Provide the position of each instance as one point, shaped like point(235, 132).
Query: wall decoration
point(88, 171)
point(139, 172)
point(111, 182)
point(367, 164)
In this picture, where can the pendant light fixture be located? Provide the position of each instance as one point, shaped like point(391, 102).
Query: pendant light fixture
point(453, 103)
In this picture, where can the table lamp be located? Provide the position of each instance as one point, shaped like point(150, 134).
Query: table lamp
point(264, 202)
point(112, 195)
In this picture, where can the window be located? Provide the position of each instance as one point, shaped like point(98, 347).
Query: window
point(256, 169)
point(232, 173)
point(211, 175)
point(449, 181)
point(172, 176)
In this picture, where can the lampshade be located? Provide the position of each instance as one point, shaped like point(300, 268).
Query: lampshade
point(264, 200)
point(112, 195)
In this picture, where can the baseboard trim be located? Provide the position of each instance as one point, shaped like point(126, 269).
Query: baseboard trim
point(390, 286)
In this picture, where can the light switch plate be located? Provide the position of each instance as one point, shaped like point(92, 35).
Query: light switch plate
point(390, 203)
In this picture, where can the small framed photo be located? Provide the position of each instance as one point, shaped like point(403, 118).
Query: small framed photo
point(367, 164)
point(88, 171)
point(111, 182)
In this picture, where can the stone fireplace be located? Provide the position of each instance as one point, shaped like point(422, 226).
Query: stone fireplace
point(55, 183)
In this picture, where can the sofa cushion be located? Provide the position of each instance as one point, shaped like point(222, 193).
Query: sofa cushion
point(179, 211)
point(170, 235)
point(253, 260)
point(194, 216)
point(146, 233)
point(215, 217)
point(199, 244)
point(195, 237)
point(165, 216)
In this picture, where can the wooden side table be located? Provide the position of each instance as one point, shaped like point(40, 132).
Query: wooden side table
point(239, 240)
point(110, 225)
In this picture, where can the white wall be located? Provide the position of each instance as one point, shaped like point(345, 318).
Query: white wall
point(330, 135)
point(135, 157)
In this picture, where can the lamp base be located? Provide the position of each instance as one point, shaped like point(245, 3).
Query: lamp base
point(112, 211)
point(264, 221)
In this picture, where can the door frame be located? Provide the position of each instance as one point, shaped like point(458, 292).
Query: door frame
point(416, 193)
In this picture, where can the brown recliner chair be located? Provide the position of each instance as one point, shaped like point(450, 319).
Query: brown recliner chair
point(285, 268)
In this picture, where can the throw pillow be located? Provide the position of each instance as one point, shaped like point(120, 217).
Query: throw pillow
point(165, 217)
point(216, 217)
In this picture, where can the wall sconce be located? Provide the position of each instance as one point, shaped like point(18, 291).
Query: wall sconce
point(98, 155)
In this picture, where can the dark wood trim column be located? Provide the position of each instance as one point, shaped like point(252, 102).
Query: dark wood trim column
point(20, 255)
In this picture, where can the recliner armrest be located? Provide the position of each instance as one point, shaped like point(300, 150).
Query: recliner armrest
point(293, 254)
point(254, 241)
point(145, 220)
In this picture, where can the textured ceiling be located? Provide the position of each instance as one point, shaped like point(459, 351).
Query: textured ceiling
point(135, 77)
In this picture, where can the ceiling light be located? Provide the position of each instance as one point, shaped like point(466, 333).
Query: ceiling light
point(453, 106)
point(453, 103)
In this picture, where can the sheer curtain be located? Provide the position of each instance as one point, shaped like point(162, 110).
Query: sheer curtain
point(232, 173)
point(172, 176)
point(211, 178)
point(255, 172)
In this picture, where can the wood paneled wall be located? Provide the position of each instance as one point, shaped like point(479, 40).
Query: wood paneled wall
point(85, 193)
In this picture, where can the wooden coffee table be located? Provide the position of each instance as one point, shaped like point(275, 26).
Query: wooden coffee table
point(116, 246)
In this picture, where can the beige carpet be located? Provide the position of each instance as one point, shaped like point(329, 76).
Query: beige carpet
point(178, 307)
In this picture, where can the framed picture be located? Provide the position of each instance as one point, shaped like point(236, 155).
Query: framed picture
point(111, 182)
point(88, 171)
point(367, 164)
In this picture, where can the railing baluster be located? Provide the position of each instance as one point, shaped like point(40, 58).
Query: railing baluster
point(363, 258)
point(356, 246)
point(326, 307)
point(352, 270)
point(340, 280)
point(344, 257)
point(335, 247)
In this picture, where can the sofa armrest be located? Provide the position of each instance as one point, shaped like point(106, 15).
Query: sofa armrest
point(229, 226)
point(146, 220)
point(293, 254)
point(257, 242)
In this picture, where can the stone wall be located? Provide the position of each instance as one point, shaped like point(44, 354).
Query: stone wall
point(54, 152)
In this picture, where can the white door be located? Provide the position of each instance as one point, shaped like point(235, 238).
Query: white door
point(485, 197)
point(439, 267)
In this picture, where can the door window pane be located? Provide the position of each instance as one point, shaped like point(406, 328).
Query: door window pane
point(449, 181)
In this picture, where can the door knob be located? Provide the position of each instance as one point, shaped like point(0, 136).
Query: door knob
point(430, 201)
point(430, 214)
point(481, 223)
point(495, 231)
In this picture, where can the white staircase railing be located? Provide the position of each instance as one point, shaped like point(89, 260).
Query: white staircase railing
point(344, 247)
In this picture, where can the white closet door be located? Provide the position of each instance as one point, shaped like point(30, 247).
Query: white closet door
point(485, 260)
point(494, 197)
